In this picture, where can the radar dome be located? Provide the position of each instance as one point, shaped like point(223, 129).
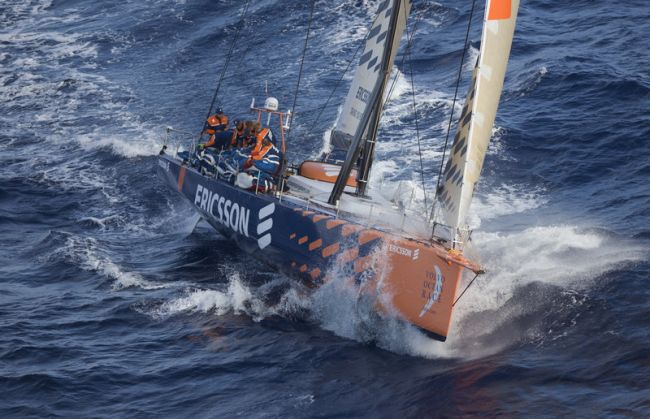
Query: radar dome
point(271, 104)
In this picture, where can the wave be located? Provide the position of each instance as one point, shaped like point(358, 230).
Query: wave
point(134, 146)
point(235, 297)
point(86, 253)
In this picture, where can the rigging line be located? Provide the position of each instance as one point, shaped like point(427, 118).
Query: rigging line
point(390, 91)
point(466, 288)
point(408, 49)
point(302, 62)
point(453, 104)
point(225, 65)
point(417, 126)
point(336, 85)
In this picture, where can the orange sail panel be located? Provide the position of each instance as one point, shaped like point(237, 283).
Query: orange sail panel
point(500, 9)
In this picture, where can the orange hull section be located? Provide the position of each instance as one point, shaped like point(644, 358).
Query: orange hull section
point(423, 290)
point(414, 280)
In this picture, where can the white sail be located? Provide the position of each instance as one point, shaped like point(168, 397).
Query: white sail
point(368, 72)
point(467, 153)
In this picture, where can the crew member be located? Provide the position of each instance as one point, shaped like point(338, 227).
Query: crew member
point(240, 135)
point(217, 129)
point(265, 157)
point(255, 129)
point(217, 122)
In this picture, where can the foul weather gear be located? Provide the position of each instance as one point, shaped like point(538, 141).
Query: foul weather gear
point(217, 122)
point(219, 140)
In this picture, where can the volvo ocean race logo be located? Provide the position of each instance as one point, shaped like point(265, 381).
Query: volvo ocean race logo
point(265, 223)
point(435, 293)
point(228, 213)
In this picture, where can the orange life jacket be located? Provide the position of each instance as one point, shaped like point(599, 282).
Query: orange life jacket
point(259, 138)
point(258, 154)
point(217, 122)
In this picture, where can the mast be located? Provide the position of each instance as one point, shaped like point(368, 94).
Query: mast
point(364, 100)
point(371, 133)
point(468, 150)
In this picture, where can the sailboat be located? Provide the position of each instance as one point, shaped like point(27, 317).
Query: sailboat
point(321, 224)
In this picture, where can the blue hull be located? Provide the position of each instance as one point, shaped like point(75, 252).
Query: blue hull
point(420, 278)
point(282, 234)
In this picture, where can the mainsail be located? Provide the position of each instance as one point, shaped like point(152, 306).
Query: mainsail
point(368, 76)
point(467, 153)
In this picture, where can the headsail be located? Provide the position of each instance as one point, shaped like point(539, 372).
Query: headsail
point(374, 66)
point(368, 74)
point(467, 153)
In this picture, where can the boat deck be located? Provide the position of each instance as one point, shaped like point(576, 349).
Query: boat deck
point(375, 211)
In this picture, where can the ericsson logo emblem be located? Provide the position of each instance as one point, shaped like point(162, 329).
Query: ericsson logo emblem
point(265, 223)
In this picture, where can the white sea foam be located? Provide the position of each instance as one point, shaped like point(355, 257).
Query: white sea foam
point(471, 59)
point(236, 298)
point(123, 146)
point(530, 81)
point(59, 89)
point(86, 253)
point(560, 256)
point(501, 201)
point(103, 222)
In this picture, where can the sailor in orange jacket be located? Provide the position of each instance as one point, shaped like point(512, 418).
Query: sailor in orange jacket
point(217, 126)
point(216, 122)
point(264, 156)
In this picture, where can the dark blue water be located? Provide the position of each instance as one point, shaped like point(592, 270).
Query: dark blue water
point(110, 303)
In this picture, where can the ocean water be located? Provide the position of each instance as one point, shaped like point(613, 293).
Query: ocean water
point(113, 304)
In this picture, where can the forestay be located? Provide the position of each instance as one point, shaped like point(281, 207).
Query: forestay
point(467, 153)
point(367, 75)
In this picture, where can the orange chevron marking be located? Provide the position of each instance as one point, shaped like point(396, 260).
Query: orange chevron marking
point(331, 249)
point(348, 256)
point(349, 229)
point(319, 217)
point(333, 223)
point(315, 244)
point(500, 9)
point(306, 213)
point(303, 239)
point(368, 235)
point(181, 178)
point(303, 268)
point(362, 264)
point(292, 236)
point(315, 273)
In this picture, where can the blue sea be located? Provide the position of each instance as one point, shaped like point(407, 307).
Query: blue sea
point(112, 303)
